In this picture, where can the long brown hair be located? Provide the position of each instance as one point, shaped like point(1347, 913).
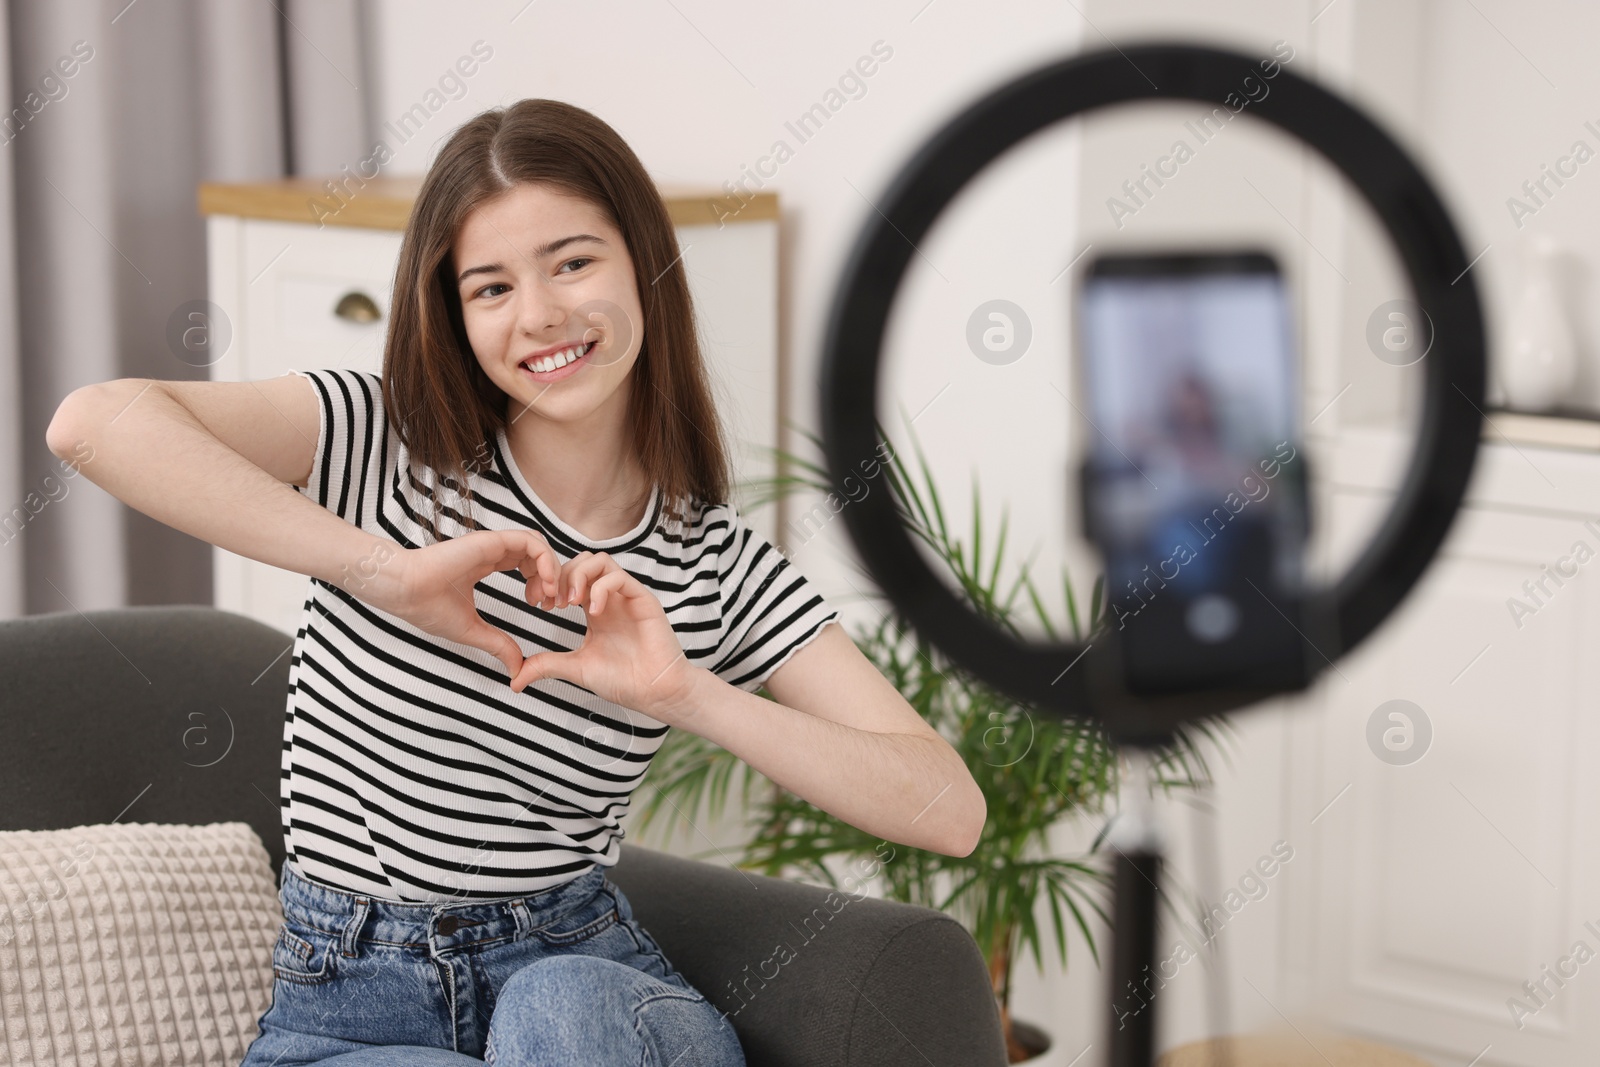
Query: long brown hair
point(445, 408)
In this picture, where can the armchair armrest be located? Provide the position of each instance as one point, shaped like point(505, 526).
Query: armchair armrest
point(813, 977)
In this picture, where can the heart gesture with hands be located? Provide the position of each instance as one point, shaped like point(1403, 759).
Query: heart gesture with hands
point(431, 587)
point(630, 654)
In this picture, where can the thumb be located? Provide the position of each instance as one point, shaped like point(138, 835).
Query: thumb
point(543, 665)
point(497, 643)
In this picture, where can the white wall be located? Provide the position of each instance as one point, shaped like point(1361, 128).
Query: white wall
point(1502, 92)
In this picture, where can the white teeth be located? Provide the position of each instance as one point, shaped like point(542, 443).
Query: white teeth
point(560, 359)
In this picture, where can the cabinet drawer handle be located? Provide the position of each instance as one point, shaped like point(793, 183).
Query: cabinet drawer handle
point(357, 307)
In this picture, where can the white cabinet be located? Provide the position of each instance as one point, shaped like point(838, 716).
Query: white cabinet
point(278, 277)
point(1442, 885)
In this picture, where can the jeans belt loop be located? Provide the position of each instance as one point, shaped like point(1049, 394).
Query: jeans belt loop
point(352, 929)
point(524, 918)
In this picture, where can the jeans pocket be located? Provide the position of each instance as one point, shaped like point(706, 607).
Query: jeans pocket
point(593, 916)
point(305, 957)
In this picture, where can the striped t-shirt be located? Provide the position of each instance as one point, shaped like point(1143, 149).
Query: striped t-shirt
point(411, 771)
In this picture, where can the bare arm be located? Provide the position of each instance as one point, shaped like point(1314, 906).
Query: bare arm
point(142, 444)
point(218, 460)
point(838, 734)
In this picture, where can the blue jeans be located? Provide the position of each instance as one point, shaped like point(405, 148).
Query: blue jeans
point(564, 976)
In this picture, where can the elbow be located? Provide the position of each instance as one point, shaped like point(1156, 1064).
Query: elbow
point(62, 435)
point(66, 436)
point(972, 829)
point(977, 835)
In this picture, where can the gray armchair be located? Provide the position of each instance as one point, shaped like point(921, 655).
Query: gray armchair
point(175, 714)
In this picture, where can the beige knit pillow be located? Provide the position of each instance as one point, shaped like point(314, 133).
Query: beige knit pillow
point(133, 945)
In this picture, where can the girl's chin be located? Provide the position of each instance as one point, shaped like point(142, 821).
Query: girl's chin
point(561, 401)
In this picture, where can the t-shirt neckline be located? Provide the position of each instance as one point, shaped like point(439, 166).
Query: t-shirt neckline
point(549, 518)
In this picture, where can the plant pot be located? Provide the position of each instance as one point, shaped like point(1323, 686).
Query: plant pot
point(1047, 1052)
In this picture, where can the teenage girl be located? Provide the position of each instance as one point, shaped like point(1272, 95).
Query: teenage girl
point(524, 570)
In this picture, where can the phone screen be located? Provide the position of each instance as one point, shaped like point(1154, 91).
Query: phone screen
point(1193, 480)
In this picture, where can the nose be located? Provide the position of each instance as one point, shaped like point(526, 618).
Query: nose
point(540, 312)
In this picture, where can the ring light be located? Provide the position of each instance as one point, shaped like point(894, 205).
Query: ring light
point(1399, 195)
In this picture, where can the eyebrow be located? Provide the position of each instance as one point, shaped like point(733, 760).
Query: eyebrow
point(538, 253)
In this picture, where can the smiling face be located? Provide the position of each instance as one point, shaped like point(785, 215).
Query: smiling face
point(546, 283)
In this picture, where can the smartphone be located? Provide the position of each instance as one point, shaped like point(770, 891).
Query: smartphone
point(1193, 481)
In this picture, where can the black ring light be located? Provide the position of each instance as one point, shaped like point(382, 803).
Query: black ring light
point(1374, 163)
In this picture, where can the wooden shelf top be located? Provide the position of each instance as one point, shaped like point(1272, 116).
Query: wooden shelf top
point(1547, 431)
point(384, 203)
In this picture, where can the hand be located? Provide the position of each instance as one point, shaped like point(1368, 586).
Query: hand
point(431, 587)
point(630, 654)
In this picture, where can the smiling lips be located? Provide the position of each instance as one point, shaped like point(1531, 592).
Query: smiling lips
point(566, 362)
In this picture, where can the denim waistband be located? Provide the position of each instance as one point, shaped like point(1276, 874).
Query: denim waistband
point(352, 917)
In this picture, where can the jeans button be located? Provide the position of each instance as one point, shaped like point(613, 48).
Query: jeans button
point(448, 925)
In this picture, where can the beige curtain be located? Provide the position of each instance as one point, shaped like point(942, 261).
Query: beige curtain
point(116, 112)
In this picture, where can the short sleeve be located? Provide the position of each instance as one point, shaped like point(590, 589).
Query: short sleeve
point(769, 609)
point(352, 429)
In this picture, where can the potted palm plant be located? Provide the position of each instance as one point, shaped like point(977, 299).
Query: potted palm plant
point(1035, 768)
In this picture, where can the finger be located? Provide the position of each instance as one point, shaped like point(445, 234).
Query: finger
point(503, 551)
point(541, 571)
point(497, 643)
point(508, 545)
point(626, 585)
point(545, 562)
point(613, 581)
point(540, 666)
point(530, 556)
point(582, 578)
point(574, 566)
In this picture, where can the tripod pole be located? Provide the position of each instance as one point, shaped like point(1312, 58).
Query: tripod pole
point(1136, 838)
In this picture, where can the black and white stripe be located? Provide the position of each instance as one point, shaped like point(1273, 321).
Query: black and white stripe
point(410, 771)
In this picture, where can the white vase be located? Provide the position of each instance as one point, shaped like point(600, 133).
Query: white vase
point(1540, 369)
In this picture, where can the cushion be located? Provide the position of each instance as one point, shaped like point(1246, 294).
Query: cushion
point(127, 945)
